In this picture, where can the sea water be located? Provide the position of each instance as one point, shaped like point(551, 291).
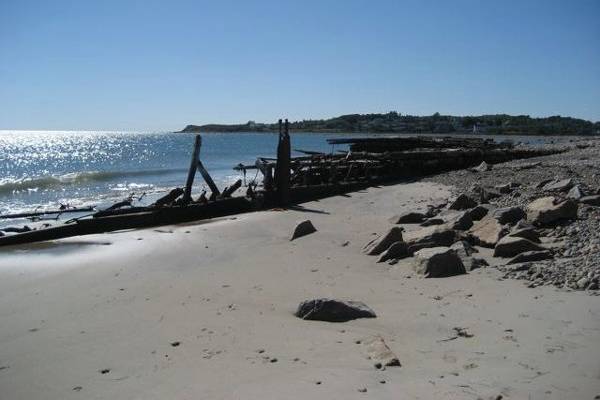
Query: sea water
point(44, 169)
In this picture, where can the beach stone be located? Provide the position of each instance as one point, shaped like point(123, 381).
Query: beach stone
point(477, 213)
point(462, 202)
point(382, 242)
point(472, 263)
point(433, 221)
point(524, 230)
point(505, 189)
point(397, 250)
point(542, 183)
point(591, 200)
point(488, 232)
point(511, 246)
point(559, 185)
point(575, 193)
point(549, 210)
point(483, 167)
point(529, 256)
point(408, 218)
point(438, 262)
point(458, 220)
point(380, 353)
point(333, 310)
point(431, 236)
point(303, 228)
point(463, 249)
point(509, 215)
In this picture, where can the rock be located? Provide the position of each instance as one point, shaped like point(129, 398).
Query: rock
point(529, 256)
point(397, 250)
point(549, 210)
point(559, 185)
point(303, 228)
point(582, 283)
point(433, 221)
point(505, 189)
point(591, 200)
point(408, 218)
point(432, 236)
point(477, 213)
point(458, 220)
point(511, 246)
point(542, 183)
point(472, 263)
point(524, 230)
point(575, 193)
point(488, 231)
point(438, 262)
point(379, 352)
point(383, 242)
point(509, 215)
point(483, 167)
point(462, 202)
point(332, 310)
point(463, 249)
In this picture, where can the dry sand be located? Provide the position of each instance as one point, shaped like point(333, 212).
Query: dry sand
point(205, 311)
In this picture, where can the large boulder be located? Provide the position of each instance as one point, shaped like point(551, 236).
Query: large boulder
point(397, 250)
point(477, 213)
point(549, 210)
point(410, 217)
point(524, 230)
point(438, 262)
point(332, 310)
point(591, 200)
point(529, 256)
point(431, 236)
point(488, 232)
point(460, 220)
point(575, 193)
point(510, 246)
point(382, 242)
point(509, 215)
point(303, 228)
point(559, 185)
point(462, 202)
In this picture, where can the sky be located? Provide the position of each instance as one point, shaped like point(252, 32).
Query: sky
point(160, 65)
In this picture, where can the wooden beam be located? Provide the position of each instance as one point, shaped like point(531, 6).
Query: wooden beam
point(208, 179)
point(187, 194)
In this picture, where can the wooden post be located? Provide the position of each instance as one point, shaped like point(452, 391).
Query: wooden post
point(187, 195)
point(284, 171)
point(208, 179)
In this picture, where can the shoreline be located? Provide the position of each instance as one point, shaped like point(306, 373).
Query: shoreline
point(205, 310)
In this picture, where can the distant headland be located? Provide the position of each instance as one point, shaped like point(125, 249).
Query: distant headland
point(394, 122)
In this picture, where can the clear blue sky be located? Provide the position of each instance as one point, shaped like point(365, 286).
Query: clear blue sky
point(159, 65)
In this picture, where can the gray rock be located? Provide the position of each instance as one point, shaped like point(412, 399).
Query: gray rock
point(462, 202)
point(383, 242)
point(438, 262)
point(397, 250)
point(582, 283)
point(458, 220)
point(591, 200)
point(505, 189)
point(408, 218)
point(432, 236)
point(488, 232)
point(477, 213)
point(472, 263)
point(575, 193)
point(483, 167)
point(529, 256)
point(559, 185)
point(509, 215)
point(433, 221)
point(332, 310)
point(463, 249)
point(511, 246)
point(542, 183)
point(379, 352)
point(549, 210)
point(303, 228)
point(526, 231)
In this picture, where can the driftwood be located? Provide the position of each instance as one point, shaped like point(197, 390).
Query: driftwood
point(228, 191)
point(169, 198)
point(49, 212)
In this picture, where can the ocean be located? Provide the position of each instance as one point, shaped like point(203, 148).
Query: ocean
point(43, 169)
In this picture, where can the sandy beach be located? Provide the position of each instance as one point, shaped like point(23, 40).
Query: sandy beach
point(205, 311)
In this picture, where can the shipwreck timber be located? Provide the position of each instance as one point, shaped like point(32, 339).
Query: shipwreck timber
point(290, 180)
